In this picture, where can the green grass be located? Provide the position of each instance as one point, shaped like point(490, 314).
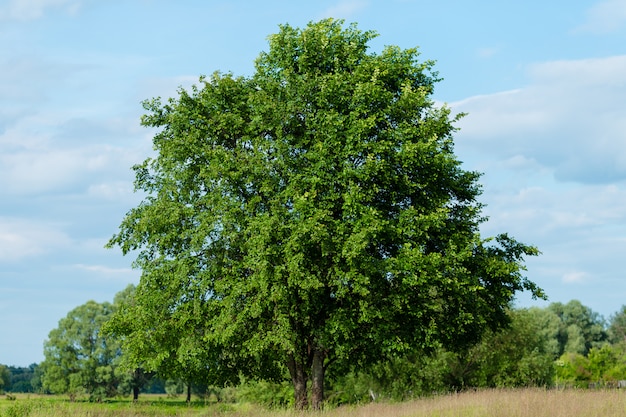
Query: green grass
point(489, 403)
point(148, 405)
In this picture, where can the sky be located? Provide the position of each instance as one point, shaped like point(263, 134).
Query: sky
point(543, 85)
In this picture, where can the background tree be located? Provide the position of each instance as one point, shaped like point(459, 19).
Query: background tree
point(548, 327)
point(580, 328)
point(78, 357)
point(310, 214)
point(607, 364)
point(5, 378)
point(572, 370)
point(172, 350)
point(518, 356)
point(131, 378)
point(617, 326)
point(35, 380)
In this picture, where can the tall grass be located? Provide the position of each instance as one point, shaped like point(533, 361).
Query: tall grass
point(492, 403)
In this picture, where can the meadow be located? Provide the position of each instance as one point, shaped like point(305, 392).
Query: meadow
point(488, 403)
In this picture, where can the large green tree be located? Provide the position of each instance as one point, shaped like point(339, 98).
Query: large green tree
point(311, 213)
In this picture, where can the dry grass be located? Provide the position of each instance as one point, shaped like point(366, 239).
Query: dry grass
point(502, 403)
point(494, 403)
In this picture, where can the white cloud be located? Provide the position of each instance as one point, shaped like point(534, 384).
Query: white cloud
point(598, 72)
point(552, 213)
point(345, 9)
point(98, 273)
point(604, 17)
point(47, 153)
point(114, 191)
point(569, 119)
point(574, 277)
point(579, 229)
point(102, 269)
point(21, 239)
point(521, 163)
point(487, 52)
point(53, 170)
point(35, 9)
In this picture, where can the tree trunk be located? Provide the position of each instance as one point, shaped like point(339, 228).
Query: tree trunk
point(137, 382)
point(188, 392)
point(317, 374)
point(299, 380)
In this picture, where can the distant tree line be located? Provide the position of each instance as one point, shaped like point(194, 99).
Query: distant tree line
point(19, 379)
point(564, 345)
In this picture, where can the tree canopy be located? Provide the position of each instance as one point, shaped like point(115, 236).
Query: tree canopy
point(312, 213)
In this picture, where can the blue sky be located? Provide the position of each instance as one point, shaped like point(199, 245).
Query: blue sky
point(543, 83)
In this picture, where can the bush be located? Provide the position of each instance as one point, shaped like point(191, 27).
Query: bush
point(268, 394)
point(352, 388)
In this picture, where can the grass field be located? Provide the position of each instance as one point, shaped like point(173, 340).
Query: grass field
point(495, 403)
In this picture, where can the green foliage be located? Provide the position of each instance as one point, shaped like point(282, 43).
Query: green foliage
point(351, 388)
point(409, 376)
point(572, 369)
point(603, 366)
point(311, 214)
point(397, 378)
point(611, 360)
